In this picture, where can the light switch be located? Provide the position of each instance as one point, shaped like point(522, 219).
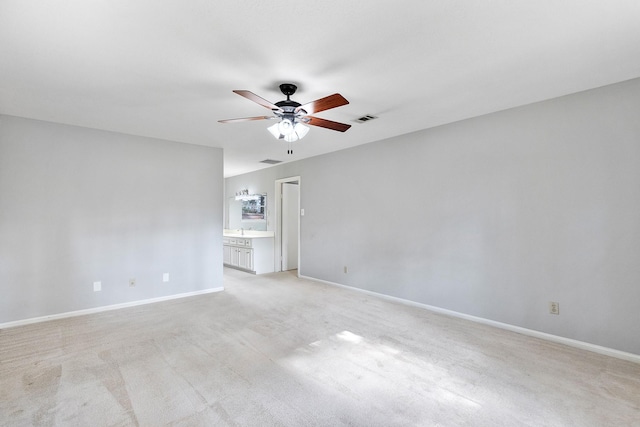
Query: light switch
point(301, 212)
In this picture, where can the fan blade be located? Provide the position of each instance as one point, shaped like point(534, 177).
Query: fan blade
point(255, 98)
point(246, 119)
point(322, 104)
point(324, 123)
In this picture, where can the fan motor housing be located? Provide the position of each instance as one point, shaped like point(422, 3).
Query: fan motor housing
point(288, 105)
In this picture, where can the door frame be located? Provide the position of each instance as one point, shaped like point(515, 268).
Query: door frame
point(278, 221)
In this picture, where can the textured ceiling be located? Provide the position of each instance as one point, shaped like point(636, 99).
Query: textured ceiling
point(166, 69)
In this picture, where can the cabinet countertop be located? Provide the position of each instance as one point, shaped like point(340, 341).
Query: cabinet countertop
point(250, 235)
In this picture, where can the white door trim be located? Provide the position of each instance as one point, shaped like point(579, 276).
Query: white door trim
point(278, 219)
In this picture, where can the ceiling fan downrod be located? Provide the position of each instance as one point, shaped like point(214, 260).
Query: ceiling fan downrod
point(288, 89)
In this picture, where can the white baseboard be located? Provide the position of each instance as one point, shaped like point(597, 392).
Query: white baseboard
point(105, 308)
point(631, 357)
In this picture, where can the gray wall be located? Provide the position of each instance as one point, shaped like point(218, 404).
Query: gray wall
point(80, 205)
point(492, 217)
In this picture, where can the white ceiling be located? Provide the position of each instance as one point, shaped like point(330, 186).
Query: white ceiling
point(166, 69)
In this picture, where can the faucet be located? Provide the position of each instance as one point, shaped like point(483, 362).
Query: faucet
point(242, 231)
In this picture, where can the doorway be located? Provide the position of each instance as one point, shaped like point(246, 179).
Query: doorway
point(287, 236)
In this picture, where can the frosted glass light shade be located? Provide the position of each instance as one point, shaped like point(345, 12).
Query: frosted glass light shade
point(292, 137)
point(275, 131)
point(301, 130)
point(285, 127)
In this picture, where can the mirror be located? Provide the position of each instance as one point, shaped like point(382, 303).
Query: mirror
point(250, 214)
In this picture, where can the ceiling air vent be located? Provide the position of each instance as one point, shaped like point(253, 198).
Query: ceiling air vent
point(365, 118)
point(271, 161)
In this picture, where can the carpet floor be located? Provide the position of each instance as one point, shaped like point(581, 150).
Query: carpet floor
point(275, 350)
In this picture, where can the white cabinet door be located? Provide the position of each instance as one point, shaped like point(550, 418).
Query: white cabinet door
point(226, 254)
point(245, 259)
point(234, 256)
point(249, 256)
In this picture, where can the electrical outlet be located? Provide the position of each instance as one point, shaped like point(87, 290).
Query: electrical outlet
point(346, 269)
point(132, 282)
point(165, 277)
point(554, 307)
point(97, 286)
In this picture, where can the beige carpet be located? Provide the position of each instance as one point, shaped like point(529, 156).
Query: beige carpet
point(276, 350)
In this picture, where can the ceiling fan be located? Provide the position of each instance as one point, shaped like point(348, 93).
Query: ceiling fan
point(294, 116)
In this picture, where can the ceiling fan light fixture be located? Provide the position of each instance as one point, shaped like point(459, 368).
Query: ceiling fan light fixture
point(295, 131)
point(299, 131)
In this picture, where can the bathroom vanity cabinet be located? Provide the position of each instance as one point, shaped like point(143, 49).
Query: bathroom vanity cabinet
point(253, 254)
